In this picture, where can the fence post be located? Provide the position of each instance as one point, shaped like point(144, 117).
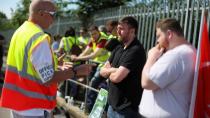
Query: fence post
point(120, 12)
point(186, 18)
point(58, 26)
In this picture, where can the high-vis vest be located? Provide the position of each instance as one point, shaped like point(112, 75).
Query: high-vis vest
point(68, 43)
point(83, 40)
point(111, 37)
point(104, 54)
point(23, 89)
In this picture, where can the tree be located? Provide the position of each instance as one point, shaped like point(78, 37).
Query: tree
point(2, 15)
point(4, 22)
point(87, 8)
point(84, 12)
point(21, 13)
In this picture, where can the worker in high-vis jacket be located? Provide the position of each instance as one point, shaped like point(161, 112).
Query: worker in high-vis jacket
point(95, 49)
point(83, 37)
point(31, 74)
point(68, 42)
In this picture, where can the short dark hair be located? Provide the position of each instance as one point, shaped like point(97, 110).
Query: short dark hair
point(113, 23)
point(93, 28)
point(57, 37)
point(70, 32)
point(83, 29)
point(170, 24)
point(131, 21)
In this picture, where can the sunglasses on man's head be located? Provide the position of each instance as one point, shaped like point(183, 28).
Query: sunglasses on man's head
point(52, 13)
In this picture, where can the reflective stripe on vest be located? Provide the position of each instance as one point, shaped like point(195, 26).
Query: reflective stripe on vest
point(83, 40)
point(67, 45)
point(32, 81)
point(23, 74)
point(28, 46)
point(28, 93)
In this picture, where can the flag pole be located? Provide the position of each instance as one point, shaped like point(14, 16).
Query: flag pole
point(195, 81)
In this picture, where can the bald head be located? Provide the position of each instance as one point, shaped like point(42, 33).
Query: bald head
point(41, 12)
point(41, 5)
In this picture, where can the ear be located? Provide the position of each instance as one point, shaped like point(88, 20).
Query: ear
point(170, 34)
point(40, 13)
point(133, 30)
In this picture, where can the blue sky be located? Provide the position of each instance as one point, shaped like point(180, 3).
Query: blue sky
point(6, 5)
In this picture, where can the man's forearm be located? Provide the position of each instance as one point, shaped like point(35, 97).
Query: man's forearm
point(64, 73)
point(105, 72)
point(59, 76)
point(84, 58)
point(146, 82)
point(112, 70)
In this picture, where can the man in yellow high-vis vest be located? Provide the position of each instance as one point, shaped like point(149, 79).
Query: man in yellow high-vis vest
point(68, 42)
point(32, 74)
point(83, 37)
point(95, 49)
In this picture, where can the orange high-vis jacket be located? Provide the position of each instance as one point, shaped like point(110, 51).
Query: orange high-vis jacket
point(23, 88)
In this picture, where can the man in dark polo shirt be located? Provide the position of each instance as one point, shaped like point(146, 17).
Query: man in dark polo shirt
point(122, 69)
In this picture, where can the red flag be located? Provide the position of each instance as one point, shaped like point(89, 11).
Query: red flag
point(202, 101)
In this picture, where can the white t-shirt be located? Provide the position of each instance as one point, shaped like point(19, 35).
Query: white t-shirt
point(173, 73)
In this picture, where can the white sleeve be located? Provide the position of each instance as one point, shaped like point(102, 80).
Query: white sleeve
point(42, 61)
point(165, 70)
point(61, 45)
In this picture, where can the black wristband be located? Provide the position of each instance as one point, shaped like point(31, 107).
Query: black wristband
point(74, 71)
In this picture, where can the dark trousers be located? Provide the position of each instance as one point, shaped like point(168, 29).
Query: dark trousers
point(68, 88)
point(125, 113)
point(96, 82)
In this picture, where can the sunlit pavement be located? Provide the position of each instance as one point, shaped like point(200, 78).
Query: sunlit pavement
point(5, 113)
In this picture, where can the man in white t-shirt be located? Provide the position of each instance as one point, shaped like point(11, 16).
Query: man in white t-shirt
point(167, 76)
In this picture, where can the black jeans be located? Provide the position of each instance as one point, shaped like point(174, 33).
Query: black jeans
point(96, 82)
point(125, 113)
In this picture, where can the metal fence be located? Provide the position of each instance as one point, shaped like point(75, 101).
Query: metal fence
point(62, 24)
point(187, 12)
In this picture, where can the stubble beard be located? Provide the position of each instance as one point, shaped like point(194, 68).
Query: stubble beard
point(123, 39)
